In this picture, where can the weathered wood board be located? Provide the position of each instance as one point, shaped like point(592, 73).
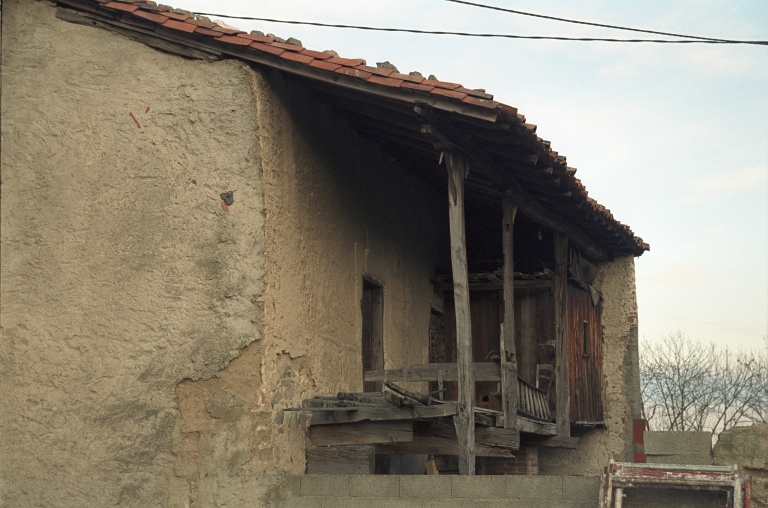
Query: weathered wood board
point(359, 433)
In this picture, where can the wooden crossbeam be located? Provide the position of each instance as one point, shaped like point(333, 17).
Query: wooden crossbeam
point(483, 371)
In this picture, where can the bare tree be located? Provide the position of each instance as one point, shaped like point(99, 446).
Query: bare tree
point(687, 385)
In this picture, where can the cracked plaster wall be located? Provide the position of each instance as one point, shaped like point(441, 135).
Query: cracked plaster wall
point(122, 274)
point(621, 380)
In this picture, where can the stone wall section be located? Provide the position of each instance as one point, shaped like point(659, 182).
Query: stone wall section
point(747, 447)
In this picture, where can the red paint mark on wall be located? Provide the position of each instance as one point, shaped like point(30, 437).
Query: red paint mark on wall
point(194, 182)
point(147, 110)
point(224, 206)
point(134, 119)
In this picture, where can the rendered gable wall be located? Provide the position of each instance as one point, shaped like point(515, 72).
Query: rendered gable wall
point(122, 274)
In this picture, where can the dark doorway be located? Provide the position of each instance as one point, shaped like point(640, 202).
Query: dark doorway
point(372, 305)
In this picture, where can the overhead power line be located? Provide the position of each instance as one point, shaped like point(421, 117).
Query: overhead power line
point(487, 35)
point(588, 23)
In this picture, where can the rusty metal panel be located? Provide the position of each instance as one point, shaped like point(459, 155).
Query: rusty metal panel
point(585, 356)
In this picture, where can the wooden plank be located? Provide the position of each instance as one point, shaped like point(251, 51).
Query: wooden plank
point(485, 436)
point(440, 446)
point(509, 389)
point(484, 371)
point(359, 433)
point(529, 426)
point(494, 286)
point(345, 415)
point(458, 168)
point(563, 394)
point(341, 460)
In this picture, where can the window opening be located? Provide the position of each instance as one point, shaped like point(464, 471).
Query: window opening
point(372, 306)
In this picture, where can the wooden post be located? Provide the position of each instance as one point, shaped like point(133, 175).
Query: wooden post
point(561, 336)
point(465, 419)
point(509, 388)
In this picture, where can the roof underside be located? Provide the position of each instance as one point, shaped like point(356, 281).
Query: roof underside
point(413, 118)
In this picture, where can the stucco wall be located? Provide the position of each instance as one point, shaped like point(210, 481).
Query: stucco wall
point(335, 208)
point(621, 381)
point(121, 272)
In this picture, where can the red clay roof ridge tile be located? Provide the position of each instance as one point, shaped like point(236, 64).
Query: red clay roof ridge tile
point(384, 74)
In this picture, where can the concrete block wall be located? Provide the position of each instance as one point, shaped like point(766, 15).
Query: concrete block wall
point(438, 491)
point(678, 448)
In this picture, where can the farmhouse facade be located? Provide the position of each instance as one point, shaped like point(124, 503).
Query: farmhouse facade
point(219, 247)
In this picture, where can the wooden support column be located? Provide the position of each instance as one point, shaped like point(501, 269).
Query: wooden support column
point(465, 419)
point(561, 349)
point(509, 388)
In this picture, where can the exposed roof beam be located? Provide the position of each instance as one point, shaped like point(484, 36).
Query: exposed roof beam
point(529, 206)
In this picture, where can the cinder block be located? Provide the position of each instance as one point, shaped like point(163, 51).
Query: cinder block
point(370, 502)
point(425, 486)
point(374, 486)
point(303, 502)
point(580, 487)
point(502, 503)
point(445, 502)
point(325, 485)
point(535, 487)
point(678, 443)
point(478, 487)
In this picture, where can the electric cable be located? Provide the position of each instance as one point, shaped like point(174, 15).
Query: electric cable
point(487, 35)
point(588, 23)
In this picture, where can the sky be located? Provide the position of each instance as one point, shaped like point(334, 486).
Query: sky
point(673, 139)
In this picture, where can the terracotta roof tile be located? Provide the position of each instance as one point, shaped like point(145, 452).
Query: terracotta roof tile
point(233, 39)
point(177, 17)
point(480, 102)
point(381, 71)
point(259, 38)
point(474, 93)
point(448, 93)
point(599, 215)
point(205, 31)
point(441, 84)
point(201, 22)
point(320, 64)
point(510, 111)
point(296, 57)
point(151, 16)
point(180, 25)
point(316, 54)
point(418, 86)
point(350, 71)
point(350, 62)
point(267, 48)
point(121, 6)
point(289, 47)
point(381, 80)
point(227, 31)
point(408, 77)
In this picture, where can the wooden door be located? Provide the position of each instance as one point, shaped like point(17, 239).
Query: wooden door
point(585, 356)
point(485, 313)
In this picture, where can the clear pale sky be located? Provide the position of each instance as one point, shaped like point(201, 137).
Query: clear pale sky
point(673, 139)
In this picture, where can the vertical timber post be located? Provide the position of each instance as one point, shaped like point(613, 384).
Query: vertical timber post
point(465, 419)
point(509, 387)
point(561, 336)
